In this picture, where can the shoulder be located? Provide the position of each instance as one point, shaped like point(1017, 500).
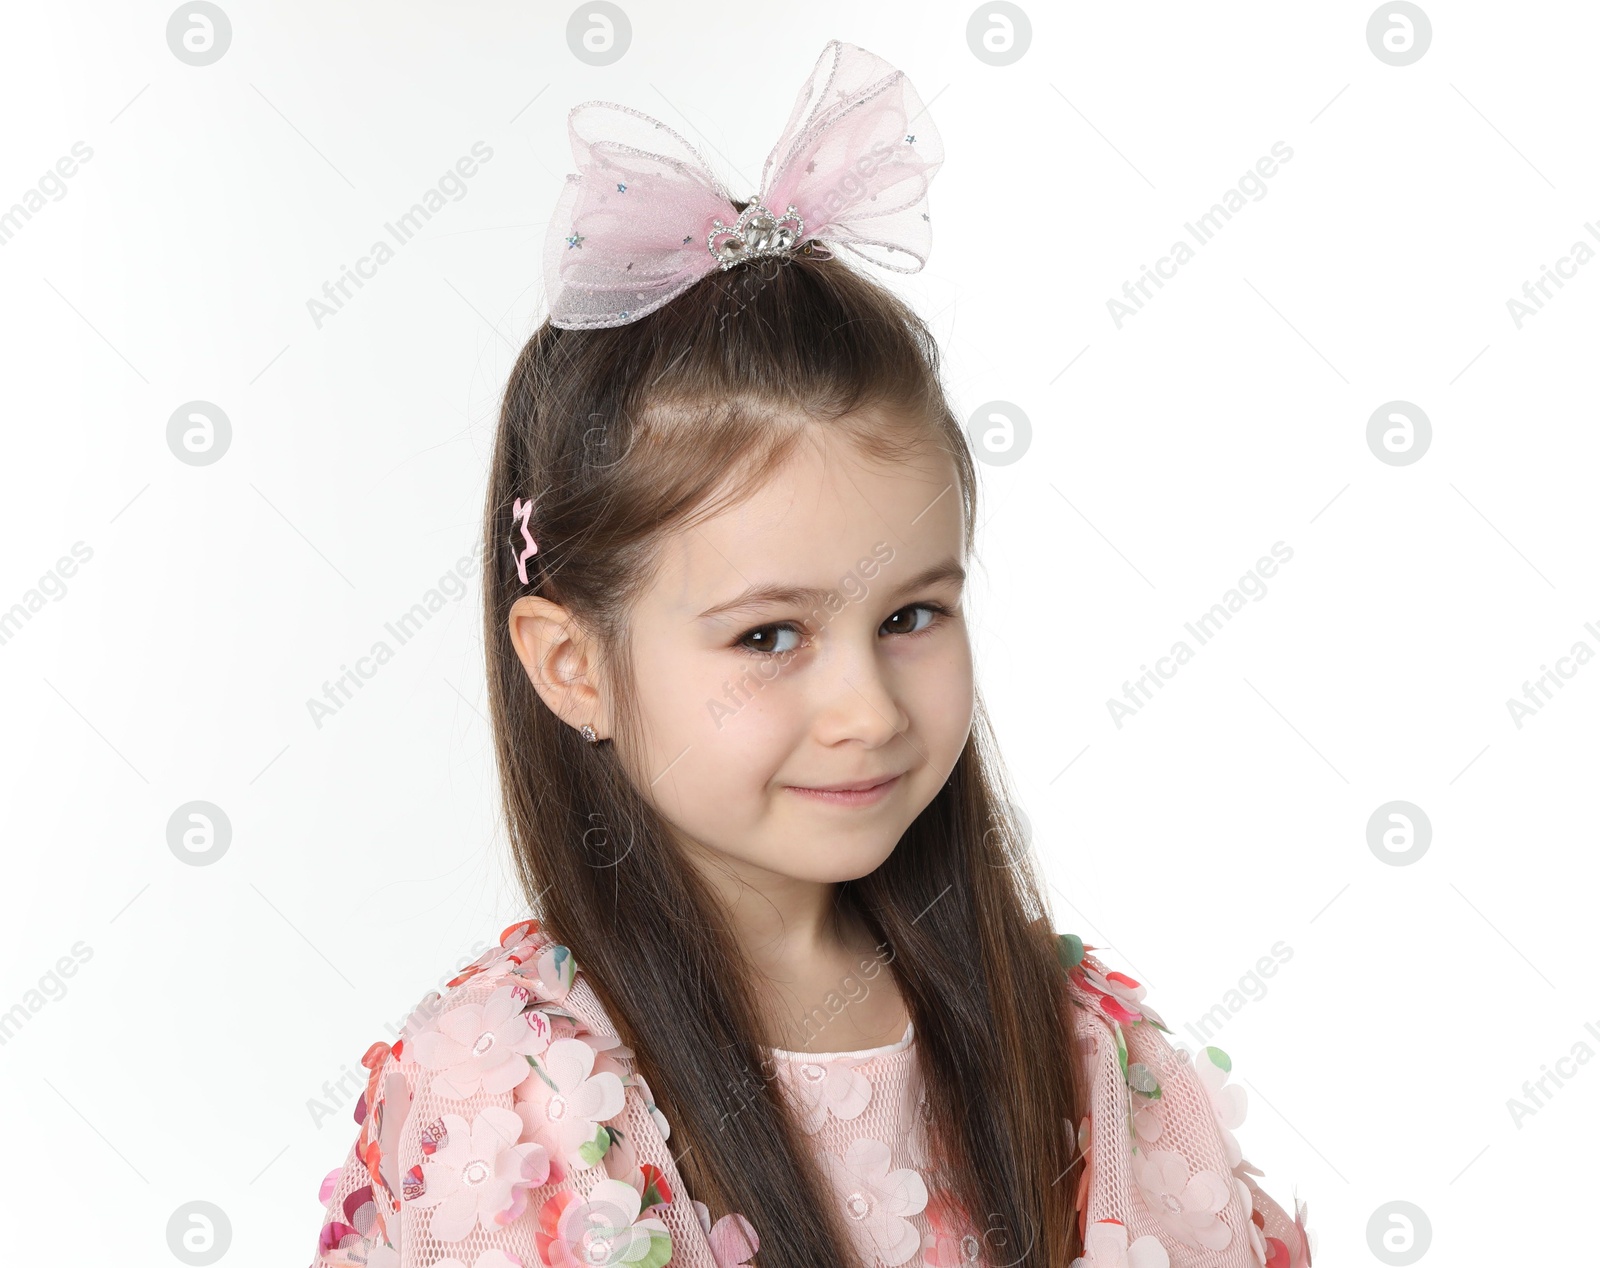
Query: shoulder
point(517, 1030)
point(1164, 1163)
point(1106, 992)
point(524, 950)
point(364, 1199)
point(511, 1068)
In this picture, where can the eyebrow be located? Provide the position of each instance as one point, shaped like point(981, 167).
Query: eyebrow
point(810, 596)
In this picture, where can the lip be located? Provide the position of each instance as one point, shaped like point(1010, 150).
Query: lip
point(860, 792)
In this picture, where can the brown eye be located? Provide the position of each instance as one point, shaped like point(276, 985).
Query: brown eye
point(909, 620)
point(770, 639)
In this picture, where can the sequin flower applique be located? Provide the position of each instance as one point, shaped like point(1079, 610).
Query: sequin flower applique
point(484, 1047)
point(477, 1173)
point(563, 1102)
point(602, 1227)
point(877, 1200)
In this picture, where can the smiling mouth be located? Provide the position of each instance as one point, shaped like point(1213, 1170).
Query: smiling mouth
point(858, 793)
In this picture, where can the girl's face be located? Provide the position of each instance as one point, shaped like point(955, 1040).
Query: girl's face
point(801, 664)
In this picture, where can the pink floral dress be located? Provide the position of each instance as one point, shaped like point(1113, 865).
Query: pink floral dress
point(509, 1128)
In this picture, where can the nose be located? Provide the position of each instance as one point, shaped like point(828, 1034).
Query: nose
point(857, 702)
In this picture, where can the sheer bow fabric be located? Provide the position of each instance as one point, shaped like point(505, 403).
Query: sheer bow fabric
point(637, 223)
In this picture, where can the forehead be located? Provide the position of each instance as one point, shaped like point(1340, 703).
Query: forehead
point(813, 519)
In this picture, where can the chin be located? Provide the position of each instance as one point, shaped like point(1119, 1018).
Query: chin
point(847, 861)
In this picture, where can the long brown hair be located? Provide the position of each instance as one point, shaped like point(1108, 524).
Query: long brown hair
point(620, 436)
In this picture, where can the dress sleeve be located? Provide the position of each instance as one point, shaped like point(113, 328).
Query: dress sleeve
point(1166, 1184)
point(491, 1134)
point(360, 1206)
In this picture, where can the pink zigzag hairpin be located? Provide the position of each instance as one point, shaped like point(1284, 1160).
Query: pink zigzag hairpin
point(644, 217)
point(521, 510)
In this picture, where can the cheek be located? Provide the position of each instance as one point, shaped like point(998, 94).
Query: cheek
point(712, 717)
point(758, 715)
point(671, 691)
point(943, 698)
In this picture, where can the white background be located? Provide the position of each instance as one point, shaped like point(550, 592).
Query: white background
point(1230, 814)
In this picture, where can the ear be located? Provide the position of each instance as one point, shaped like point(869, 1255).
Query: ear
point(562, 661)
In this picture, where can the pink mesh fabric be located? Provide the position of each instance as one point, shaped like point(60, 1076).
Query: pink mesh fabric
point(1164, 1163)
point(382, 1220)
point(502, 1080)
point(633, 226)
point(865, 1114)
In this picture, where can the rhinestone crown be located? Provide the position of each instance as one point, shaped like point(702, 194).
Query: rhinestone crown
point(756, 233)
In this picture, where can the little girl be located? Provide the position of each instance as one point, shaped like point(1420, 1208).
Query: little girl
point(791, 998)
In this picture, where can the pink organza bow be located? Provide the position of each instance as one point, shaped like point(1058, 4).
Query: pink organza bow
point(631, 228)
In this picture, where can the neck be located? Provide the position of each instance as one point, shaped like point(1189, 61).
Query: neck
point(780, 921)
point(805, 952)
